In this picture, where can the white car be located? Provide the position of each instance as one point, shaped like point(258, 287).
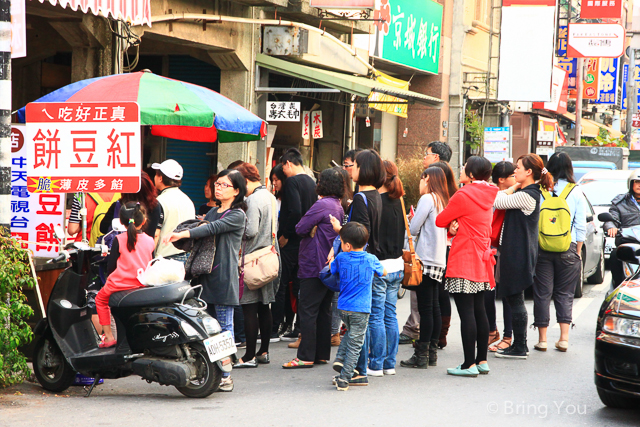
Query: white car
point(600, 187)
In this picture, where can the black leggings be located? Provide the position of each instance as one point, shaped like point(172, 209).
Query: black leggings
point(444, 300)
point(256, 315)
point(474, 327)
point(490, 307)
point(429, 309)
point(519, 318)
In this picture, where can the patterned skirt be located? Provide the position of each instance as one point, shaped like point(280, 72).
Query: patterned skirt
point(455, 285)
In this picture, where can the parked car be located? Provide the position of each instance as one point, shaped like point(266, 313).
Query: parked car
point(582, 167)
point(617, 346)
point(593, 267)
point(601, 187)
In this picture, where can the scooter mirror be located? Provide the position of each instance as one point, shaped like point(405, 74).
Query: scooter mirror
point(58, 231)
point(604, 217)
point(116, 225)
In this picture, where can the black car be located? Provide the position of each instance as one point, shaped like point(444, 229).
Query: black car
point(617, 350)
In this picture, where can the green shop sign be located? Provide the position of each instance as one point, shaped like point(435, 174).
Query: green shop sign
point(409, 33)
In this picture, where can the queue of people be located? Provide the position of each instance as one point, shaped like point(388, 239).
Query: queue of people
point(475, 243)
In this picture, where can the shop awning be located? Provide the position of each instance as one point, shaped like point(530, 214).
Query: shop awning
point(136, 12)
point(360, 86)
point(590, 128)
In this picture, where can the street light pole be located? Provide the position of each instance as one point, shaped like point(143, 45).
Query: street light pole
point(5, 117)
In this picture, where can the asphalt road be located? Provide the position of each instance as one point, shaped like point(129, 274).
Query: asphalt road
point(552, 388)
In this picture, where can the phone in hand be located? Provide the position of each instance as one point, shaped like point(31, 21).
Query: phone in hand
point(412, 211)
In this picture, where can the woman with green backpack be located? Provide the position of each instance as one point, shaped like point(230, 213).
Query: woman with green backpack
point(563, 227)
point(519, 244)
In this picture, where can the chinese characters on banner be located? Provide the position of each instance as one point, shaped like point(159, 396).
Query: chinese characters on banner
point(595, 40)
point(591, 78)
point(316, 125)
point(598, 9)
point(570, 65)
point(496, 143)
point(409, 33)
point(625, 79)
point(283, 111)
point(306, 125)
point(608, 86)
point(33, 216)
point(559, 94)
point(83, 147)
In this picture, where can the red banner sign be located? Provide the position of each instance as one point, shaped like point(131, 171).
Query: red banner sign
point(597, 9)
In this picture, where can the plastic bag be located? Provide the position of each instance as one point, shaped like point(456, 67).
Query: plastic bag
point(161, 271)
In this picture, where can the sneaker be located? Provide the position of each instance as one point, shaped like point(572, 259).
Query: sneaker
point(241, 345)
point(337, 366)
point(341, 384)
point(406, 339)
point(226, 384)
point(359, 380)
point(274, 338)
point(512, 353)
point(389, 371)
point(290, 335)
point(375, 373)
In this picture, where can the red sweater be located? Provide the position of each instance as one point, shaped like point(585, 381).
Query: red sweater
point(471, 255)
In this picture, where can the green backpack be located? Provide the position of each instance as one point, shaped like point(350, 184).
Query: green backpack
point(555, 221)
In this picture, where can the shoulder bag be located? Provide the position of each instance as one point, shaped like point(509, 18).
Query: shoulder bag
point(262, 266)
point(412, 265)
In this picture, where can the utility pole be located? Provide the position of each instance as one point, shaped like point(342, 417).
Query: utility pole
point(5, 117)
point(579, 84)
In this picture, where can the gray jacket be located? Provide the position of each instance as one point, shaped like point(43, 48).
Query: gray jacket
point(624, 212)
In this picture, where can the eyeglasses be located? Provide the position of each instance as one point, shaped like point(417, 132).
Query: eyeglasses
point(222, 185)
point(347, 166)
point(430, 154)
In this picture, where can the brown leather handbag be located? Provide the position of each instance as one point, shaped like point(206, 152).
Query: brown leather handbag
point(412, 265)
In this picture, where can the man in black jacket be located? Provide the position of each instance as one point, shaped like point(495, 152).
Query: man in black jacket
point(298, 195)
point(625, 210)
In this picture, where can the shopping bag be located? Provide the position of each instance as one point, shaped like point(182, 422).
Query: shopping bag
point(161, 271)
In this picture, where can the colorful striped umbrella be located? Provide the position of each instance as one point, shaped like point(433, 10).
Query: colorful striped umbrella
point(173, 109)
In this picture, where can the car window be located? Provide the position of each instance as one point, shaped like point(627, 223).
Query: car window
point(600, 193)
point(590, 211)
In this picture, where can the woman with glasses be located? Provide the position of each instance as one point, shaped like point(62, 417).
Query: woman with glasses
point(221, 287)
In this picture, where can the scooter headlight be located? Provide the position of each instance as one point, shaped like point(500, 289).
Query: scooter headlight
point(211, 325)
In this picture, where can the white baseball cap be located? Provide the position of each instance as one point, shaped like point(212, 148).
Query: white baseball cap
point(170, 168)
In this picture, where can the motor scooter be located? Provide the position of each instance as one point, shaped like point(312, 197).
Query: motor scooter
point(164, 334)
point(630, 235)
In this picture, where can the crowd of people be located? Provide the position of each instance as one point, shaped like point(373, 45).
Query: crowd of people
point(478, 238)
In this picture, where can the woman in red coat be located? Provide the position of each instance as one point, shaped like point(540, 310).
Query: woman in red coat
point(470, 267)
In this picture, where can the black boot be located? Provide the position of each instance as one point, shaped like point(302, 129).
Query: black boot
point(518, 349)
point(420, 358)
point(433, 353)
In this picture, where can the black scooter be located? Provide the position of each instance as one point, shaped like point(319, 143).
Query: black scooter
point(164, 334)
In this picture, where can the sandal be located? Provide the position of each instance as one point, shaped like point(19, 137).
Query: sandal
point(503, 344)
point(321, 362)
point(297, 363)
point(494, 337)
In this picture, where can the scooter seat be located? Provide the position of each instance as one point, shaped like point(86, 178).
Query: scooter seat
point(152, 295)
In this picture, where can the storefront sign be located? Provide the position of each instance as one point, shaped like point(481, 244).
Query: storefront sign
point(570, 65)
point(546, 136)
point(591, 79)
point(625, 79)
point(389, 103)
point(595, 41)
point(496, 144)
point(306, 125)
point(608, 85)
point(559, 95)
point(343, 4)
point(83, 147)
point(283, 111)
point(33, 216)
point(409, 33)
point(635, 120)
point(18, 29)
point(598, 9)
point(316, 125)
point(137, 12)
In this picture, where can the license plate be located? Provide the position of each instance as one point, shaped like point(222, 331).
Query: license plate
point(220, 346)
point(607, 249)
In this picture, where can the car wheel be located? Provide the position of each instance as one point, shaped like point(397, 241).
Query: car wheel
point(598, 277)
point(615, 400)
point(578, 293)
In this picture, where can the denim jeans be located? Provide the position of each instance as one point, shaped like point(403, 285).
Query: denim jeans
point(336, 321)
point(382, 335)
point(224, 315)
point(351, 344)
point(182, 257)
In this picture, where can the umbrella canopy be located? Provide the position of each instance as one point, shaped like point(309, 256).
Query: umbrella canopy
point(172, 108)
